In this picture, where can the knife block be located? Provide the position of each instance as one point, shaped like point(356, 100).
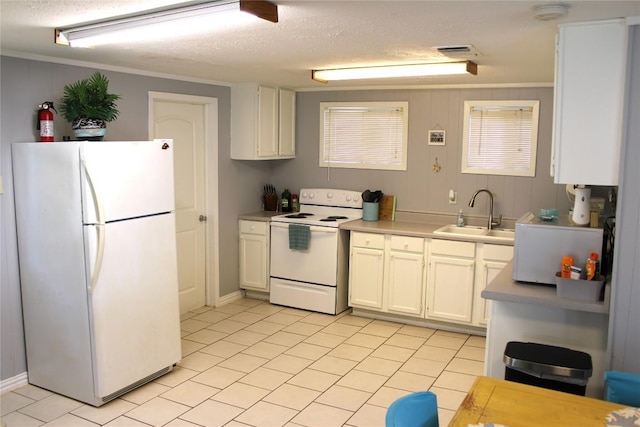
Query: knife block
point(271, 202)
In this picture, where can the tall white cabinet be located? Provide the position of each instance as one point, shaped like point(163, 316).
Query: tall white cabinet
point(589, 102)
point(262, 122)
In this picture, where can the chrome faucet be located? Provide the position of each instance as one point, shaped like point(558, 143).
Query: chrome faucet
point(490, 224)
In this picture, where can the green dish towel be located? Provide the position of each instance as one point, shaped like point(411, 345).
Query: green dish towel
point(299, 236)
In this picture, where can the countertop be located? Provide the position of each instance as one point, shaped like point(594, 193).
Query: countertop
point(416, 229)
point(264, 216)
point(504, 288)
point(509, 403)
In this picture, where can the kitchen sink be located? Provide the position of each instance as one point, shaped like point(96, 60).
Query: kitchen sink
point(502, 234)
point(509, 234)
point(467, 230)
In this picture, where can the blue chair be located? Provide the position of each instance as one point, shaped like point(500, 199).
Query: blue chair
point(415, 410)
point(622, 387)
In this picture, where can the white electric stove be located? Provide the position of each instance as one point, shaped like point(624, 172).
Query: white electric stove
point(315, 278)
point(324, 208)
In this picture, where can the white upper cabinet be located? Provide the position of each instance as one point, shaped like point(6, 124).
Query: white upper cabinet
point(262, 122)
point(287, 123)
point(591, 63)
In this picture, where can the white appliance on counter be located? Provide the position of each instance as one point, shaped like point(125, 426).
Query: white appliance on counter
point(315, 278)
point(98, 269)
point(540, 245)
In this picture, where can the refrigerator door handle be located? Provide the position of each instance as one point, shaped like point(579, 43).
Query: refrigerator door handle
point(97, 266)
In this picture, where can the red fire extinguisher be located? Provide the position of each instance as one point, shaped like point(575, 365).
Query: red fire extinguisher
point(45, 121)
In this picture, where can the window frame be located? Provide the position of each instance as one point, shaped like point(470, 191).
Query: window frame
point(403, 148)
point(507, 105)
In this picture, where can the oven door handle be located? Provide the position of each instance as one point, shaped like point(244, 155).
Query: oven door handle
point(311, 227)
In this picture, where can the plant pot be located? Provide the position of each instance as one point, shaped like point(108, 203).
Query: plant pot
point(89, 129)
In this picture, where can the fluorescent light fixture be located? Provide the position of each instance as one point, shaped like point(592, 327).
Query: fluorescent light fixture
point(166, 22)
point(409, 70)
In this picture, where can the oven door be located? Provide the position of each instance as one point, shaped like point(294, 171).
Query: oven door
point(317, 264)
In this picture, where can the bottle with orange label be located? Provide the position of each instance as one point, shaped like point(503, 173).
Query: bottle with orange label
point(565, 267)
point(592, 266)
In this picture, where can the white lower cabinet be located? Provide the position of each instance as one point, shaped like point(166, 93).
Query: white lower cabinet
point(254, 255)
point(366, 270)
point(405, 279)
point(386, 273)
point(491, 260)
point(433, 279)
point(450, 280)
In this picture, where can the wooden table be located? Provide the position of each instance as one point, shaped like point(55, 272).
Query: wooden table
point(519, 405)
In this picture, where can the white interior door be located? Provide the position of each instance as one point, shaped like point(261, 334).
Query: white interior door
point(184, 123)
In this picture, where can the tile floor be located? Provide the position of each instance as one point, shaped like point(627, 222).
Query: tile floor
point(250, 363)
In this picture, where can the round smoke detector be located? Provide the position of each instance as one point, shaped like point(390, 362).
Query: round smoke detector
point(550, 11)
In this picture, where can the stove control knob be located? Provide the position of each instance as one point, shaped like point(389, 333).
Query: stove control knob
point(356, 198)
point(304, 194)
point(311, 195)
point(329, 195)
point(348, 198)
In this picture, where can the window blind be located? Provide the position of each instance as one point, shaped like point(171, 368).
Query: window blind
point(361, 135)
point(501, 139)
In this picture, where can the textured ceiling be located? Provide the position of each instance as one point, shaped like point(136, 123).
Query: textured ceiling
point(516, 49)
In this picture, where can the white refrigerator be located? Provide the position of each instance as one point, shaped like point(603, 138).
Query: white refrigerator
point(98, 270)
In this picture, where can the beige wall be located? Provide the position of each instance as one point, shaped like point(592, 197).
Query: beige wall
point(419, 188)
point(24, 85)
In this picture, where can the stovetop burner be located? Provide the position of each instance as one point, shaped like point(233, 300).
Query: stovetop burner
point(333, 218)
point(299, 215)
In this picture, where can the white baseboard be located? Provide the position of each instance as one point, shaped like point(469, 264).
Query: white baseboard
point(13, 382)
point(262, 296)
point(234, 296)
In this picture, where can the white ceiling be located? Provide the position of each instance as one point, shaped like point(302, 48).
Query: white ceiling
point(516, 49)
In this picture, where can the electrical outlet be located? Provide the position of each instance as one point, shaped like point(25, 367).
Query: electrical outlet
point(453, 197)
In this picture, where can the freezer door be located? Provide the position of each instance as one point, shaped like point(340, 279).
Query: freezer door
point(123, 179)
point(135, 320)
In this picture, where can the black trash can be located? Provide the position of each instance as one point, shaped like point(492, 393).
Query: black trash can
point(547, 366)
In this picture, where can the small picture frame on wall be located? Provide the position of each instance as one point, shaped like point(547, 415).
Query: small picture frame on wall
point(436, 137)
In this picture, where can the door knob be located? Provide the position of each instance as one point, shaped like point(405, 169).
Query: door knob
point(203, 218)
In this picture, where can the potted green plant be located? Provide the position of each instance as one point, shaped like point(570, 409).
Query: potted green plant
point(88, 106)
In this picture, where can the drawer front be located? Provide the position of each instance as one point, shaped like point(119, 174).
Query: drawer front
point(454, 248)
point(367, 240)
point(254, 227)
point(407, 244)
point(497, 252)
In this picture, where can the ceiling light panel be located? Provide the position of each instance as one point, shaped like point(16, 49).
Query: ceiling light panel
point(168, 23)
point(407, 70)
